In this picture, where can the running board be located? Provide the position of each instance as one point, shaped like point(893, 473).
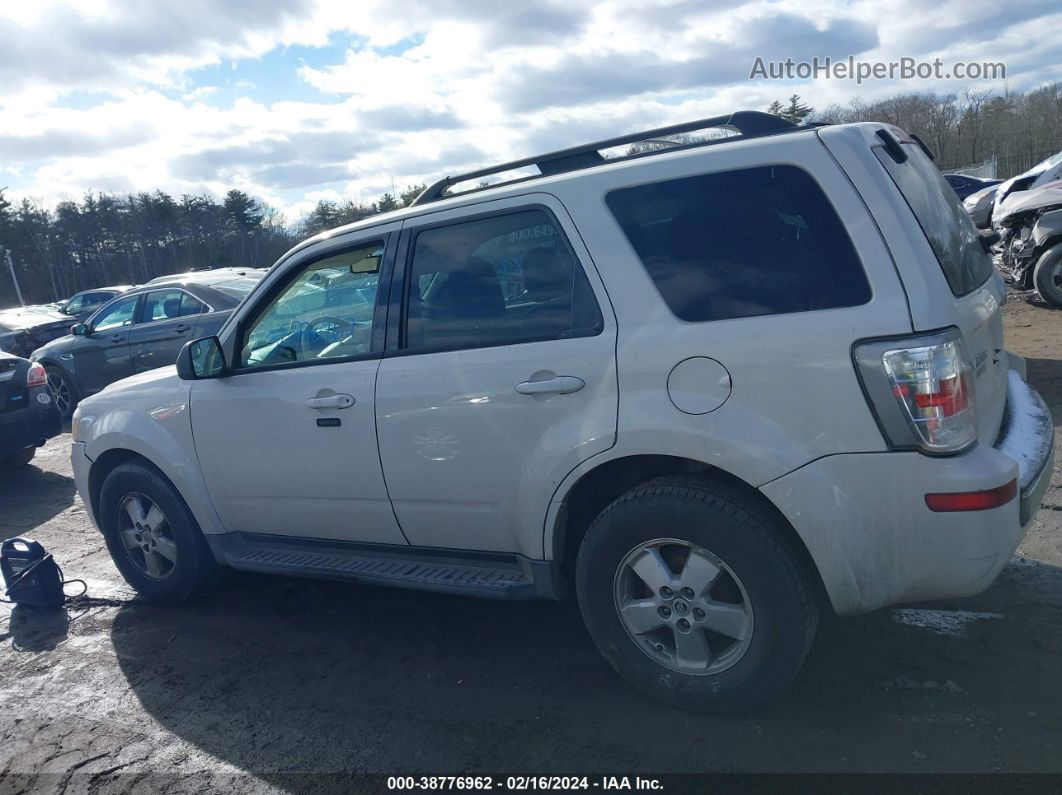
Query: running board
point(512, 577)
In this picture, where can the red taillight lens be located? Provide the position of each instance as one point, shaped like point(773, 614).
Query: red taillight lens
point(973, 500)
point(933, 385)
point(36, 375)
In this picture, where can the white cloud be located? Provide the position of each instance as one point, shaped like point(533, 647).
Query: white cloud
point(428, 86)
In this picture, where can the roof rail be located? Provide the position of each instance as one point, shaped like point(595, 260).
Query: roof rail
point(748, 123)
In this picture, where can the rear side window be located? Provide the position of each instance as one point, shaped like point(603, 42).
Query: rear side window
point(947, 226)
point(499, 280)
point(744, 243)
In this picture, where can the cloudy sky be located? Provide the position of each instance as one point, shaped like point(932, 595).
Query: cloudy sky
point(297, 100)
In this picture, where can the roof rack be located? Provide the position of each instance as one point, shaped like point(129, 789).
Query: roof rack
point(748, 123)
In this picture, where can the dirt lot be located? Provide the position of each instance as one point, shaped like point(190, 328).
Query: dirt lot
point(273, 677)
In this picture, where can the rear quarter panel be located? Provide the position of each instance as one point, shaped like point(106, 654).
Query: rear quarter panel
point(795, 396)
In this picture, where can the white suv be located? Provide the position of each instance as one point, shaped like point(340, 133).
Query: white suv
point(717, 388)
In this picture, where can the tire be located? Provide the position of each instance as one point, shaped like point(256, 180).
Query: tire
point(759, 581)
point(169, 562)
point(18, 459)
point(1047, 278)
point(62, 391)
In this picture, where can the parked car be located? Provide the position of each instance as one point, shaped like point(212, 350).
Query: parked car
point(717, 389)
point(143, 328)
point(964, 185)
point(28, 416)
point(1029, 224)
point(24, 328)
point(979, 206)
point(81, 305)
point(1039, 175)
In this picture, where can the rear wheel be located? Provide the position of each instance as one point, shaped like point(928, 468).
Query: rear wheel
point(19, 458)
point(152, 536)
point(62, 391)
point(690, 592)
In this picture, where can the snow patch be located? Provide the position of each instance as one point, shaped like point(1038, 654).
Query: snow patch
point(940, 622)
point(1029, 431)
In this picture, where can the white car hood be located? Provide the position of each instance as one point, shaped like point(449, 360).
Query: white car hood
point(1028, 200)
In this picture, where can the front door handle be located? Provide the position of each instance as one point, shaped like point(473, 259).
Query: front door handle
point(118, 338)
point(331, 402)
point(561, 385)
point(182, 328)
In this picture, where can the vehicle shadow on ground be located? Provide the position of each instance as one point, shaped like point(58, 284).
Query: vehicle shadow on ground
point(1046, 376)
point(52, 494)
point(280, 677)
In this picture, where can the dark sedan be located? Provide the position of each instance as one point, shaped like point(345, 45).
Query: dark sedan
point(28, 415)
point(141, 329)
point(964, 185)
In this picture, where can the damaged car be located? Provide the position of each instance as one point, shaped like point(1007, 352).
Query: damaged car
point(23, 329)
point(1029, 251)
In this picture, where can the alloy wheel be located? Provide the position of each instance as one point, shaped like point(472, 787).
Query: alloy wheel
point(146, 536)
point(60, 392)
point(683, 606)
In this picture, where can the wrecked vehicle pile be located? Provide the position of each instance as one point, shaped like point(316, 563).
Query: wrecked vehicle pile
point(1029, 252)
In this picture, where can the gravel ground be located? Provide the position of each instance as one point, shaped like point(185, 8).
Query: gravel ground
point(272, 678)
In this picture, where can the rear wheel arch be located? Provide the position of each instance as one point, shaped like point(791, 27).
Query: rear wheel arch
point(600, 487)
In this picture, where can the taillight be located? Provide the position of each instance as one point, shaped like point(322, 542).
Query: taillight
point(36, 375)
point(930, 389)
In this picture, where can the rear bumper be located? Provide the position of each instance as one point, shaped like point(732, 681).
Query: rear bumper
point(875, 542)
point(27, 427)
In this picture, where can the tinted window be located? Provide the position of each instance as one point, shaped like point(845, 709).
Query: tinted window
point(947, 226)
point(756, 241)
point(95, 299)
point(496, 281)
point(325, 313)
point(161, 305)
point(118, 314)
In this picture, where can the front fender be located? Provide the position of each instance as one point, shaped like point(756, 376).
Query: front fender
point(162, 435)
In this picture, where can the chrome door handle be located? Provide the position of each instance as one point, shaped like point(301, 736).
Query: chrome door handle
point(331, 402)
point(561, 385)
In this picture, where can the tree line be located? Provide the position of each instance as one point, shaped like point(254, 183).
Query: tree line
point(1017, 129)
point(105, 239)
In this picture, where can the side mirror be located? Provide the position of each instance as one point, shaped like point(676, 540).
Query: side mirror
point(199, 359)
point(79, 329)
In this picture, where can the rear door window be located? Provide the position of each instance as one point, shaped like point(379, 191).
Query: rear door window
point(939, 212)
point(742, 243)
point(504, 279)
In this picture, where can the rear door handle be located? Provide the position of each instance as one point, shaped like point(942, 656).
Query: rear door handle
point(561, 385)
point(331, 402)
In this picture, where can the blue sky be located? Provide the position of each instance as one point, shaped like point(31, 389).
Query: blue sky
point(298, 100)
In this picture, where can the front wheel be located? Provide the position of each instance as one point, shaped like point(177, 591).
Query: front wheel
point(153, 537)
point(689, 591)
point(62, 391)
point(1047, 277)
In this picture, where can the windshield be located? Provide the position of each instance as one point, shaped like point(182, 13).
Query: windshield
point(235, 288)
point(1053, 160)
